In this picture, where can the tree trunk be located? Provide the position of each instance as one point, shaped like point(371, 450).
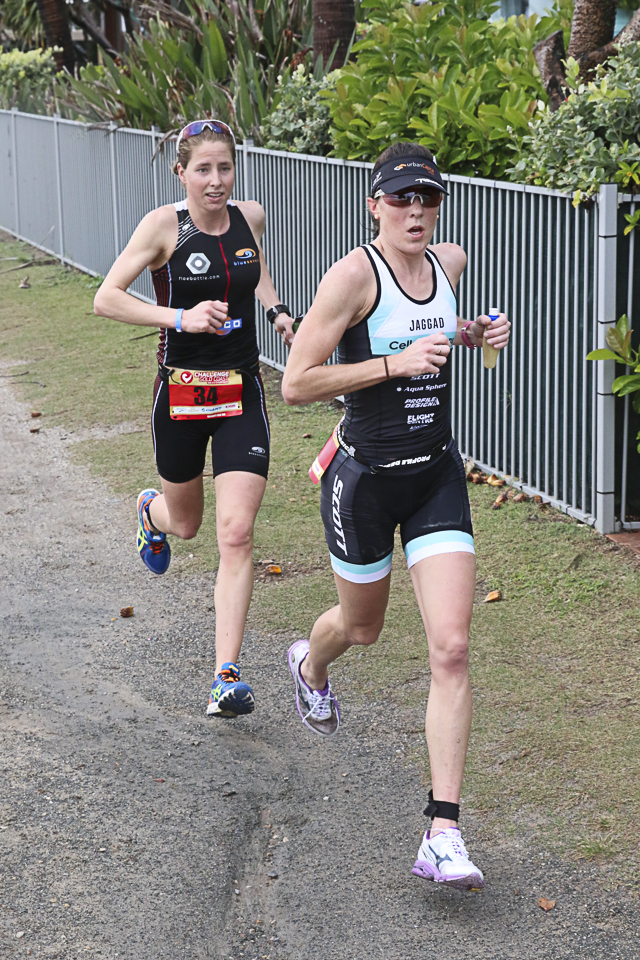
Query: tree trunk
point(549, 54)
point(591, 44)
point(333, 21)
point(592, 26)
point(57, 32)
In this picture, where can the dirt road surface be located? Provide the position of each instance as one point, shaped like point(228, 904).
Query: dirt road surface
point(133, 827)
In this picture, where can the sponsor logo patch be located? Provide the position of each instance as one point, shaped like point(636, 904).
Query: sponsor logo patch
point(335, 512)
point(412, 163)
point(228, 326)
point(245, 254)
point(198, 263)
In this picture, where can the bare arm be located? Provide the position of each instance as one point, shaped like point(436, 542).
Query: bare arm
point(265, 291)
point(345, 294)
point(151, 245)
point(453, 260)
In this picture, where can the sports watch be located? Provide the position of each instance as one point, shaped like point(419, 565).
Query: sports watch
point(273, 312)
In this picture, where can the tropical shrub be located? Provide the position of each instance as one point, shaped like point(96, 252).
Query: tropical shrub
point(301, 119)
point(166, 80)
point(444, 74)
point(27, 80)
point(620, 350)
point(215, 59)
point(593, 137)
point(20, 25)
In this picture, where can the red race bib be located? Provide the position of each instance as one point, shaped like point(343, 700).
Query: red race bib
point(204, 394)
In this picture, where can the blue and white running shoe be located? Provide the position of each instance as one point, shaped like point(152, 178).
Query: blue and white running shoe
point(444, 859)
point(153, 547)
point(229, 696)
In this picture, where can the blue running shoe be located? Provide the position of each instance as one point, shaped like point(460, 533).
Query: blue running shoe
point(152, 547)
point(229, 696)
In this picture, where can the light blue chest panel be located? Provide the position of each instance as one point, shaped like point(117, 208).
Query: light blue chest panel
point(397, 321)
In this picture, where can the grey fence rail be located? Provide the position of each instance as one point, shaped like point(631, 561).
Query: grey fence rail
point(545, 417)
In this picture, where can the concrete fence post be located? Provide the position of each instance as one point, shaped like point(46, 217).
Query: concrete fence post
point(14, 150)
point(114, 186)
point(248, 169)
point(605, 400)
point(155, 136)
point(56, 137)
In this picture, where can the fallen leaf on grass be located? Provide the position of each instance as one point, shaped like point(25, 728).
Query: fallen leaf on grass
point(34, 429)
point(537, 499)
point(497, 505)
point(126, 612)
point(476, 477)
point(24, 284)
point(274, 568)
point(502, 497)
point(520, 498)
point(35, 413)
point(493, 596)
point(495, 481)
point(546, 904)
point(306, 436)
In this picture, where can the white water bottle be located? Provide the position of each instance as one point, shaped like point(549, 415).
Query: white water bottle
point(489, 353)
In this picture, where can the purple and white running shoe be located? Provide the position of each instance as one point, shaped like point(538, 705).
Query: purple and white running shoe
point(318, 709)
point(444, 859)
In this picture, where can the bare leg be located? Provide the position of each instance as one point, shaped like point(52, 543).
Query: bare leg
point(179, 508)
point(238, 499)
point(358, 619)
point(444, 587)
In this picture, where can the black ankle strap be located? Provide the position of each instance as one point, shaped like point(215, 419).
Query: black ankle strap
point(442, 808)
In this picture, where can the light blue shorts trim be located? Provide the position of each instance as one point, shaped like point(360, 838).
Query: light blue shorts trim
point(432, 544)
point(362, 572)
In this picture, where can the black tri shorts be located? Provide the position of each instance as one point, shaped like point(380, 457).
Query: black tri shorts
point(237, 443)
point(361, 511)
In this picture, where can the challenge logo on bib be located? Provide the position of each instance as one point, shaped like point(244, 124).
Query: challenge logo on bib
point(204, 394)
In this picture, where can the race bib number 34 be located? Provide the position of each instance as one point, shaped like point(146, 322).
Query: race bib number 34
point(204, 394)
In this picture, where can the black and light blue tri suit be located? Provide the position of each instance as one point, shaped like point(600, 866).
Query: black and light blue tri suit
point(398, 463)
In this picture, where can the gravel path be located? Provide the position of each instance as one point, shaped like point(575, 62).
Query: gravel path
point(132, 827)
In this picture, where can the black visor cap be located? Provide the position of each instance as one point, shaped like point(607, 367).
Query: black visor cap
point(403, 173)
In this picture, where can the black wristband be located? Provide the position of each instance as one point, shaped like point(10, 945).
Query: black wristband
point(273, 312)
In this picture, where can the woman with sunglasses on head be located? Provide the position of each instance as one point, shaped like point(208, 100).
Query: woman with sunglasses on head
point(390, 309)
point(207, 267)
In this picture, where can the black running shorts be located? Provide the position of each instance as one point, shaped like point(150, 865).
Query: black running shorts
point(361, 511)
point(237, 443)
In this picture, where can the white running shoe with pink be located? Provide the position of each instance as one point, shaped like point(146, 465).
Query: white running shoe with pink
point(318, 709)
point(444, 859)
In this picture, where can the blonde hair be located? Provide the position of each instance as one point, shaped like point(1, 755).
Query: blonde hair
point(189, 144)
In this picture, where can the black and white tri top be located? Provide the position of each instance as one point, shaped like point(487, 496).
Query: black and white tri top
point(211, 267)
point(398, 421)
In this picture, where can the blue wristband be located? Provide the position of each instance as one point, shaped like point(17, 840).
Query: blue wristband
point(179, 313)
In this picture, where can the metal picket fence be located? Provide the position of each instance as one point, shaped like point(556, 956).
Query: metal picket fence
point(545, 417)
